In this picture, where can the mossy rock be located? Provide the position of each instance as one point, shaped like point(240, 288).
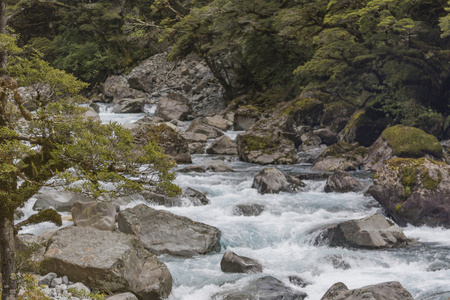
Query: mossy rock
point(304, 111)
point(363, 129)
point(414, 191)
point(336, 115)
point(411, 142)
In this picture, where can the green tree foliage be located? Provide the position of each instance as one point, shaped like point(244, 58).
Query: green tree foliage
point(444, 23)
point(56, 145)
point(90, 39)
point(389, 49)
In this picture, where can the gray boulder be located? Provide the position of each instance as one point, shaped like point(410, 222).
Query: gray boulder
point(264, 288)
point(100, 215)
point(171, 141)
point(128, 106)
point(233, 263)
point(196, 142)
point(163, 232)
point(388, 290)
point(217, 165)
point(267, 142)
point(340, 156)
point(173, 107)
point(273, 181)
point(123, 296)
point(222, 145)
point(414, 191)
point(326, 136)
point(197, 198)
point(189, 169)
point(61, 201)
point(373, 232)
point(342, 182)
point(116, 88)
point(91, 114)
point(219, 122)
point(199, 126)
point(245, 117)
point(107, 260)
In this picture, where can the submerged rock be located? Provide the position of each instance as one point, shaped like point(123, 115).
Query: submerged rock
point(264, 288)
point(163, 232)
point(273, 181)
point(388, 290)
point(248, 209)
point(370, 233)
point(233, 263)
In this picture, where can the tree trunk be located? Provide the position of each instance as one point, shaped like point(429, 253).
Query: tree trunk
point(3, 54)
point(8, 266)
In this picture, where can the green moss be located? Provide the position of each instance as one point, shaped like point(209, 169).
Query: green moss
point(411, 142)
point(302, 104)
point(356, 119)
point(398, 207)
point(428, 181)
point(344, 149)
point(266, 144)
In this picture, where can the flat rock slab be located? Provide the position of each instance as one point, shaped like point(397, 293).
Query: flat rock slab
point(163, 232)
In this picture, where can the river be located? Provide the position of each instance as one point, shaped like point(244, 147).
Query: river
point(281, 237)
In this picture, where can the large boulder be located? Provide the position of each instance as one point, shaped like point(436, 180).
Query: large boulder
point(61, 201)
point(342, 182)
point(129, 106)
point(268, 142)
point(173, 107)
point(273, 181)
point(199, 126)
point(373, 232)
point(388, 290)
point(264, 288)
point(107, 260)
point(163, 232)
point(170, 140)
point(196, 142)
point(414, 191)
point(245, 117)
point(117, 88)
point(222, 145)
point(100, 215)
point(219, 122)
point(402, 141)
point(340, 156)
point(233, 263)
